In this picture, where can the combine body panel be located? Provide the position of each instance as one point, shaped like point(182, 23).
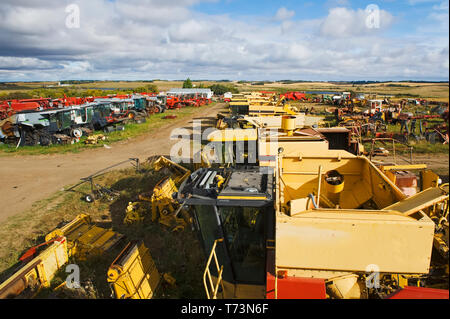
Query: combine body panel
point(133, 275)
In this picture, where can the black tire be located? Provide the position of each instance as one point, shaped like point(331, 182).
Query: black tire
point(31, 139)
point(45, 141)
point(108, 129)
point(132, 115)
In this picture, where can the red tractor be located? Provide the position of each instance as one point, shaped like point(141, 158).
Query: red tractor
point(173, 102)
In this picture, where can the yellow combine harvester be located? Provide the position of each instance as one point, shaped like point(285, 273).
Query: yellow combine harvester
point(260, 145)
point(262, 107)
point(316, 223)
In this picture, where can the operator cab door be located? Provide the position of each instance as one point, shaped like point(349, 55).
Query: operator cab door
point(244, 229)
point(245, 233)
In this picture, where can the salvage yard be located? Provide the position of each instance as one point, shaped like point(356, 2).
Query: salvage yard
point(28, 218)
point(35, 200)
point(23, 175)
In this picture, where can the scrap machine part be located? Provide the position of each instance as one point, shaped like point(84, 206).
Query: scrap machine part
point(37, 272)
point(133, 274)
point(84, 238)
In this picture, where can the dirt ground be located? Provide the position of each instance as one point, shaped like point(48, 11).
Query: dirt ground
point(27, 179)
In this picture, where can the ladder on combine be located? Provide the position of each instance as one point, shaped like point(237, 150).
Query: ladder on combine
point(212, 289)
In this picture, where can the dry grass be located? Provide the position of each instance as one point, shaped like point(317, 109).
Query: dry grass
point(432, 91)
point(177, 253)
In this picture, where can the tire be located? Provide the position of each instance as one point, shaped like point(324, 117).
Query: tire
point(31, 139)
point(76, 132)
point(108, 129)
point(132, 115)
point(90, 198)
point(156, 109)
point(45, 141)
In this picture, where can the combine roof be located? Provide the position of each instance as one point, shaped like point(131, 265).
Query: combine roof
point(250, 187)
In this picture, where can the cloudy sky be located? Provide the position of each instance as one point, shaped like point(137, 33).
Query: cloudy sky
point(224, 39)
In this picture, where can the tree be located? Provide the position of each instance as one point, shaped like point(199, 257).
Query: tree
point(187, 84)
point(17, 96)
point(152, 88)
point(140, 89)
point(220, 89)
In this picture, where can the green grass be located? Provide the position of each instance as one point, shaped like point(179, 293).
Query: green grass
point(179, 254)
point(424, 147)
point(153, 122)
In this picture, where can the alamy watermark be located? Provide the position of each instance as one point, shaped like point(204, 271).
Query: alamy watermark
point(73, 279)
point(373, 278)
point(372, 16)
point(73, 16)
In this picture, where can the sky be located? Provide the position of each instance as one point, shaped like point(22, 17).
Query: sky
point(331, 40)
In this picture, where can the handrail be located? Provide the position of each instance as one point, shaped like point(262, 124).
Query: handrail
point(211, 292)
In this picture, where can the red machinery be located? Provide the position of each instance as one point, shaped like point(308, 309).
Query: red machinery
point(173, 102)
point(294, 96)
point(8, 108)
point(410, 292)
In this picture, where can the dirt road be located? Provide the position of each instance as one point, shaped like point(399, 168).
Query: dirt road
point(27, 179)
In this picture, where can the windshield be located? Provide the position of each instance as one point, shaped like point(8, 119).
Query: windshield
point(245, 233)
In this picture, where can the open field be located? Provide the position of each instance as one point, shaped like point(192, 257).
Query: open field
point(431, 91)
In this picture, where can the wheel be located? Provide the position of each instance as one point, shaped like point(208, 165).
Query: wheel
point(90, 198)
point(156, 109)
point(132, 115)
point(45, 141)
point(76, 132)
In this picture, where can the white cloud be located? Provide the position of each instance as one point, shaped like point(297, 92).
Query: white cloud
point(165, 39)
point(284, 14)
point(343, 22)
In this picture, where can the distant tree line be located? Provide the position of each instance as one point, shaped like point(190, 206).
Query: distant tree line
point(218, 89)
